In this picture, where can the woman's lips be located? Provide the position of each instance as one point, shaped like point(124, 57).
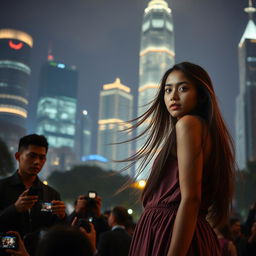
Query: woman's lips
point(175, 106)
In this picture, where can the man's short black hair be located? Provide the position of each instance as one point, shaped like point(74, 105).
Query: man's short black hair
point(33, 139)
point(121, 215)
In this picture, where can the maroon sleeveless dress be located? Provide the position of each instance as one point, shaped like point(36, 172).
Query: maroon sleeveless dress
point(153, 231)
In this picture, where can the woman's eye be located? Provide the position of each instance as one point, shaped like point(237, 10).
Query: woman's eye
point(167, 90)
point(182, 89)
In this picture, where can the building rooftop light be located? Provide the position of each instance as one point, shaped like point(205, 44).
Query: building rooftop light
point(60, 65)
point(116, 85)
point(157, 5)
point(16, 35)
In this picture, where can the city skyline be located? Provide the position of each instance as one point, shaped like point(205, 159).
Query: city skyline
point(98, 37)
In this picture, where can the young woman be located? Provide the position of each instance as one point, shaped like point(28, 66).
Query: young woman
point(191, 181)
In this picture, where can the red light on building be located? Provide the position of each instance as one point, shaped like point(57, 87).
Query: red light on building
point(15, 46)
point(50, 57)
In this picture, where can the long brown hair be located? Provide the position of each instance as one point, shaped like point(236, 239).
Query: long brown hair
point(160, 135)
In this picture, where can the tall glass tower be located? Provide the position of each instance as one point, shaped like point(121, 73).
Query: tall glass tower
point(56, 112)
point(83, 135)
point(14, 75)
point(246, 100)
point(116, 103)
point(156, 52)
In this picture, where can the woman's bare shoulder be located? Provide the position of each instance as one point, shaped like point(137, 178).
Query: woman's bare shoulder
point(190, 122)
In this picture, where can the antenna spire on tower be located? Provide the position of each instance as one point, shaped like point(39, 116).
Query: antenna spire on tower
point(250, 9)
point(50, 55)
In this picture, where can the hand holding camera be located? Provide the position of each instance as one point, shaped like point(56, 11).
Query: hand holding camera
point(87, 204)
point(95, 201)
point(91, 236)
point(16, 246)
point(25, 201)
point(80, 206)
point(8, 241)
point(87, 228)
point(58, 208)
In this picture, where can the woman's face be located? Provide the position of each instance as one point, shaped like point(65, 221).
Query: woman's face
point(180, 94)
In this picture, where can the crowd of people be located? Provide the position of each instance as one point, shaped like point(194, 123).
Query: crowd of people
point(238, 238)
point(187, 198)
point(33, 215)
point(35, 218)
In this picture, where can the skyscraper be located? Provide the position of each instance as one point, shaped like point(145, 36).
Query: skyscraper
point(83, 135)
point(56, 111)
point(246, 100)
point(14, 75)
point(116, 103)
point(156, 52)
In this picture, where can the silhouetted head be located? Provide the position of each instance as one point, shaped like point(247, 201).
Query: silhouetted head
point(118, 216)
point(64, 241)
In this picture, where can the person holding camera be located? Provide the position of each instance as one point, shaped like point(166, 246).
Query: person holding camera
point(24, 197)
point(88, 210)
point(59, 240)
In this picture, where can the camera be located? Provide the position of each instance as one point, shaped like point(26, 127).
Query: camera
point(46, 207)
point(8, 241)
point(91, 202)
point(92, 194)
point(84, 223)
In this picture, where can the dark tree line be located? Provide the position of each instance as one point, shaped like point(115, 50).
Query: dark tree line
point(80, 179)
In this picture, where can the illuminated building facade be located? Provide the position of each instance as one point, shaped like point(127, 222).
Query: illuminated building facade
point(56, 112)
point(83, 135)
point(116, 103)
point(246, 100)
point(156, 52)
point(14, 75)
point(96, 160)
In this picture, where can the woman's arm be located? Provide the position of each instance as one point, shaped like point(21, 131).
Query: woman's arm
point(189, 130)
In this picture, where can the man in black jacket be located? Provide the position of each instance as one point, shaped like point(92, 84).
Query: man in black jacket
point(115, 242)
point(23, 195)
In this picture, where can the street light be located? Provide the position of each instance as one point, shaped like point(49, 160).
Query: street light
point(130, 211)
point(140, 184)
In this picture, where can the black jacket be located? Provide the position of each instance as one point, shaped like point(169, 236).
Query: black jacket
point(25, 222)
point(114, 243)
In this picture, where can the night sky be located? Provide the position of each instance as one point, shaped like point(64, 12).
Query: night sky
point(102, 38)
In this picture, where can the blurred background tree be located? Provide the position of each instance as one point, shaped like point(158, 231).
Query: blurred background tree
point(80, 179)
point(245, 189)
point(6, 160)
